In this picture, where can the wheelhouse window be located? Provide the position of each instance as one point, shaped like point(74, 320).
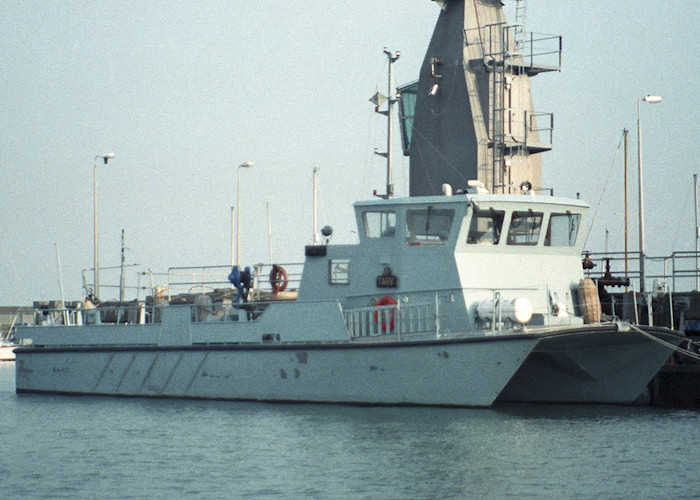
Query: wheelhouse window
point(429, 226)
point(524, 228)
point(485, 227)
point(562, 230)
point(380, 224)
point(339, 271)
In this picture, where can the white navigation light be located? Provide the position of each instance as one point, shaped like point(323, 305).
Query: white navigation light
point(652, 99)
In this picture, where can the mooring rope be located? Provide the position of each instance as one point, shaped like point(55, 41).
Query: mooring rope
point(664, 343)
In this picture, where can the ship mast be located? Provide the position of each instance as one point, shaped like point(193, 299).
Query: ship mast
point(378, 99)
point(316, 236)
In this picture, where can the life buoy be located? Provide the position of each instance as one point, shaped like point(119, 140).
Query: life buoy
point(385, 301)
point(278, 279)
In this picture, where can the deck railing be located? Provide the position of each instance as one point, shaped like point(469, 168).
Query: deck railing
point(501, 42)
point(76, 315)
point(677, 272)
point(208, 278)
point(398, 319)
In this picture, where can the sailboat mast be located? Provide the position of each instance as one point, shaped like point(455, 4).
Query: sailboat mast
point(121, 272)
point(626, 132)
point(697, 232)
point(378, 99)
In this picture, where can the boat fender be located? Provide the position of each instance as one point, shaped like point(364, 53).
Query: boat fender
point(385, 301)
point(589, 302)
point(278, 279)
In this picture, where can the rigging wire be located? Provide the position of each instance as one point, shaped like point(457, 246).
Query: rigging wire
point(439, 153)
point(605, 186)
point(683, 211)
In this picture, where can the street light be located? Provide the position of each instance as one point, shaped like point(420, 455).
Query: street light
point(96, 259)
point(652, 99)
point(247, 164)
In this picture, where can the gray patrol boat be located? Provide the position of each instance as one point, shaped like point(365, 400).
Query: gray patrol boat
point(446, 300)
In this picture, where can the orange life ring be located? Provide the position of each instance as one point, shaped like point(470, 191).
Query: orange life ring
point(278, 279)
point(385, 301)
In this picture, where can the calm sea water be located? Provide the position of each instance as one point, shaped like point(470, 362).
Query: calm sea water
point(93, 447)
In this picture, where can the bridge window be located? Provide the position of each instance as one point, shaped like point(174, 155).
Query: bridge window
point(407, 109)
point(524, 228)
point(429, 226)
point(380, 224)
point(485, 228)
point(562, 230)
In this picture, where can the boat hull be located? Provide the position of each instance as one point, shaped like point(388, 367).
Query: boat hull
point(593, 364)
point(454, 372)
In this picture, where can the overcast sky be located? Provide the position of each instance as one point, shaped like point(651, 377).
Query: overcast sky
point(183, 92)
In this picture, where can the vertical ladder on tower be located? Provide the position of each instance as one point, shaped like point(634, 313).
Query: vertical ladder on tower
point(511, 57)
point(520, 16)
point(499, 53)
point(508, 116)
point(517, 61)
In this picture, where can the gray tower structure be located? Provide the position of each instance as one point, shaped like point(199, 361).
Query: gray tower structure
point(470, 114)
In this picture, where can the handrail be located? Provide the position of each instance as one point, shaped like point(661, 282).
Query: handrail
point(683, 273)
point(396, 319)
point(89, 286)
point(143, 314)
point(125, 313)
point(531, 50)
point(211, 277)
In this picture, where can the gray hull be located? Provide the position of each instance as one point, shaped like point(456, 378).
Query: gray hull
point(591, 365)
point(457, 372)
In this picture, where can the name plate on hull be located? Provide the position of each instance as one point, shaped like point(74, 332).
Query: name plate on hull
point(387, 279)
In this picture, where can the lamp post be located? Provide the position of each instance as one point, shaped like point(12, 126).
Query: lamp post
point(96, 258)
point(248, 164)
point(652, 99)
